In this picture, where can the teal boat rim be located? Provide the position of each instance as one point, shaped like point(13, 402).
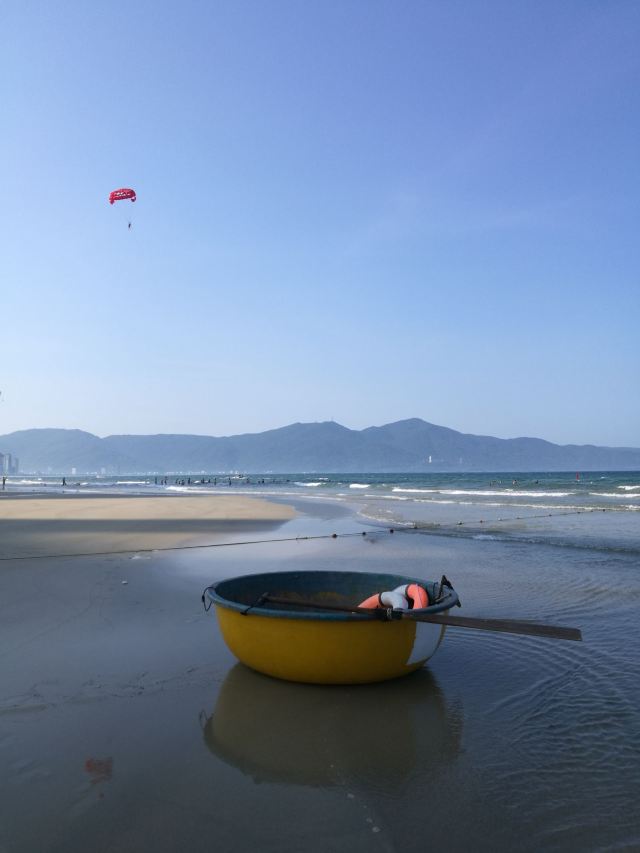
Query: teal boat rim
point(221, 593)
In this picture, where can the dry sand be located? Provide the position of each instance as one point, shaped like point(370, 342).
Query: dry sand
point(32, 526)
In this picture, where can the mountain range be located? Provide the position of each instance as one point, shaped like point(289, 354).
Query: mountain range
point(409, 446)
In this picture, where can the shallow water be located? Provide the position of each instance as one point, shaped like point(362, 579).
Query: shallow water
point(127, 725)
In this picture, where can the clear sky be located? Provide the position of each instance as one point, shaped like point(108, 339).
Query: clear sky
point(357, 210)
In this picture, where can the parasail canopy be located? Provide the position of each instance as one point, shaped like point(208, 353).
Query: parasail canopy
point(121, 194)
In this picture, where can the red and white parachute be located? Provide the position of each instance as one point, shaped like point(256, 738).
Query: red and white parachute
point(122, 194)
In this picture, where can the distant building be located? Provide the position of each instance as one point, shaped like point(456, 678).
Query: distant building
point(9, 464)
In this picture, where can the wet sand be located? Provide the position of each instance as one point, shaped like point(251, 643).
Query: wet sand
point(126, 724)
point(92, 644)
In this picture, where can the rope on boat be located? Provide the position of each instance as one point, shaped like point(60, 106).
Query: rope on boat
point(411, 527)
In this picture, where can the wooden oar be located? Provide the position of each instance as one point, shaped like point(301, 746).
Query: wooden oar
point(507, 626)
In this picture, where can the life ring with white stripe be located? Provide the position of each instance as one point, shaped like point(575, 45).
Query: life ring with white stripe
point(410, 596)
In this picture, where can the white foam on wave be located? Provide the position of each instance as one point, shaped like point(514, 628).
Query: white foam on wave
point(415, 491)
point(311, 485)
point(629, 488)
point(359, 485)
point(510, 493)
point(516, 494)
point(614, 495)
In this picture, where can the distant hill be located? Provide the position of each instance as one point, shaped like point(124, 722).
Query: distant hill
point(409, 445)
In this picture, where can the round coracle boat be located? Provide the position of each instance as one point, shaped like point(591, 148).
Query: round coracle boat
point(328, 627)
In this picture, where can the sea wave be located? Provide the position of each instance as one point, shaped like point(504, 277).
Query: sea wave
point(614, 495)
point(515, 493)
point(415, 491)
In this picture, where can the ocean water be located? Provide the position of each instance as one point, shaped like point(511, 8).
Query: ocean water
point(133, 728)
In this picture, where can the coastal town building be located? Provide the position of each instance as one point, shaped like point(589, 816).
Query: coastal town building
point(8, 464)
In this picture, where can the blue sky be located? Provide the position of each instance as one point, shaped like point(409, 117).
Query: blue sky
point(359, 211)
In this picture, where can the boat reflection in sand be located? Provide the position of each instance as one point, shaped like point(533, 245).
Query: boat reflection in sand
point(305, 734)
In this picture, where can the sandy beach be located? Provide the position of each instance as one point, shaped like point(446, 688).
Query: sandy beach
point(37, 526)
point(127, 725)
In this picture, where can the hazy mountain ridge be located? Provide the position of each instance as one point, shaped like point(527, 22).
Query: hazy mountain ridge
point(312, 447)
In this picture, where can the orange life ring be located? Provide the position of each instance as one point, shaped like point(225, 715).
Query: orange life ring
point(406, 597)
point(417, 596)
point(394, 599)
point(372, 602)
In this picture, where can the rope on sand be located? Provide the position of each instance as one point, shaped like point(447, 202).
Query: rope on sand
point(412, 527)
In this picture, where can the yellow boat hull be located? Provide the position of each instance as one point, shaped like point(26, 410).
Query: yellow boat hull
point(306, 626)
point(322, 652)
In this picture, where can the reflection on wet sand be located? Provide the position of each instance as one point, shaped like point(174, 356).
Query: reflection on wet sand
point(302, 734)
